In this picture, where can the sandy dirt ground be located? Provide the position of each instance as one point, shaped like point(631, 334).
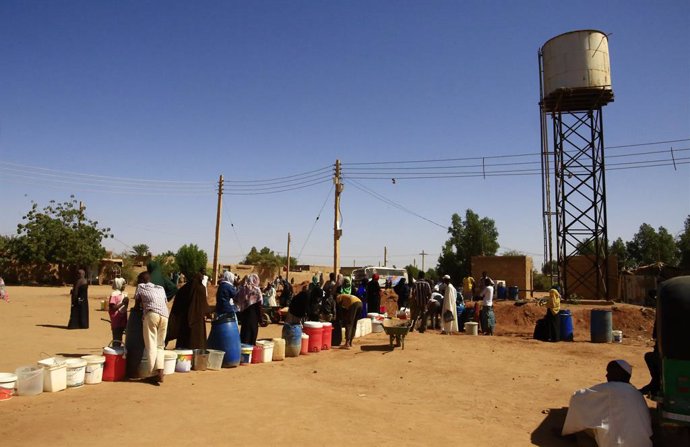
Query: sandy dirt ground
point(506, 390)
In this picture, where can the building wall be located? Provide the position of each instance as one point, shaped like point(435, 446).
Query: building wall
point(514, 270)
point(579, 264)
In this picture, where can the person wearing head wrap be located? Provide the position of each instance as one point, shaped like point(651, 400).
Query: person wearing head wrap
point(449, 313)
point(117, 309)
point(374, 294)
point(249, 300)
point(159, 279)
point(315, 299)
point(187, 322)
point(613, 413)
point(346, 286)
point(79, 311)
point(403, 291)
point(270, 295)
point(225, 295)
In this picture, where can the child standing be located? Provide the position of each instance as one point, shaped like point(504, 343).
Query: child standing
point(117, 308)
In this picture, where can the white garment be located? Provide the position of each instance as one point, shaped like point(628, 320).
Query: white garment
point(488, 296)
point(615, 411)
point(449, 299)
point(271, 297)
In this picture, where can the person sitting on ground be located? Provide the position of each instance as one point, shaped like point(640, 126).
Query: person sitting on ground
point(117, 309)
point(613, 413)
point(350, 307)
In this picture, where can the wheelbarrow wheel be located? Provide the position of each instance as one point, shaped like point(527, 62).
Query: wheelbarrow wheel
point(265, 320)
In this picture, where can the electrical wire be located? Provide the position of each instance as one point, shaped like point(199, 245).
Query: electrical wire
point(315, 221)
point(234, 230)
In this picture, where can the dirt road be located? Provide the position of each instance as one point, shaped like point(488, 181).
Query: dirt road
point(441, 390)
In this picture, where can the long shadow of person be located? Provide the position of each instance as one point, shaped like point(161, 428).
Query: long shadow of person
point(53, 326)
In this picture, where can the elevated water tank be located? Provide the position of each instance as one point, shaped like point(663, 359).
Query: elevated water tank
point(576, 71)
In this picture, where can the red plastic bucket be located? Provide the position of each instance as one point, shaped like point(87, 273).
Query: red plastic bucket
point(257, 354)
point(326, 336)
point(115, 367)
point(314, 330)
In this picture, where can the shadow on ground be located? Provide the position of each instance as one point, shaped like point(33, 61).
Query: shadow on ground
point(547, 434)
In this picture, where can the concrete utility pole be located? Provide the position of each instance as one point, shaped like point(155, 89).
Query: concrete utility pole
point(287, 273)
point(385, 256)
point(337, 231)
point(216, 244)
point(422, 254)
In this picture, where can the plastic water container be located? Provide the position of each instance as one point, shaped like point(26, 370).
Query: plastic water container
point(472, 328)
point(366, 323)
point(169, 362)
point(145, 369)
point(278, 349)
point(225, 336)
point(513, 292)
point(215, 359)
point(76, 372)
point(29, 380)
point(246, 357)
point(372, 315)
point(326, 336)
point(617, 336)
point(376, 327)
point(54, 374)
point(8, 381)
point(257, 354)
point(305, 345)
point(314, 330)
point(292, 334)
point(267, 350)
point(115, 368)
point(601, 326)
point(359, 329)
point(184, 360)
point(566, 320)
point(200, 360)
point(94, 369)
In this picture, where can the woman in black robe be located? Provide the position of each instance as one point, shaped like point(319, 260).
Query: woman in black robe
point(79, 312)
point(187, 323)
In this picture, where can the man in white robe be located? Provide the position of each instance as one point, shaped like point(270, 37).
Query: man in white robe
point(614, 413)
point(449, 299)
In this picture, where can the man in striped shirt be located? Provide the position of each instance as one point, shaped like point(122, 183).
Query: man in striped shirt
point(421, 293)
point(155, 323)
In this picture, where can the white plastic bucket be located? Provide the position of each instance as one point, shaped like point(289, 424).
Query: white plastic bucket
point(267, 351)
point(617, 336)
point(76, 372)
point(313, 324)
point(376, 327)
point(170, 359)
point(29, 380)
point(94, 369)
point(472, 328)
point(366, 322)
point(8, 381)
point(184, 360)
point(215, 359)
point(278, 349)
point(54, 374)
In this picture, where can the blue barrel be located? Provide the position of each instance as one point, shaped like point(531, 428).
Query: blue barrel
point(134, 341)
point(601, 325)
point(292, 333)
point(225, 336)
point(459, 307)
point(566, 320)
point(501, 292)
point(513, 292)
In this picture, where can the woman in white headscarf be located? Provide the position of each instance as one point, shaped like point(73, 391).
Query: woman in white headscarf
point(225, 296)
point(249, 300)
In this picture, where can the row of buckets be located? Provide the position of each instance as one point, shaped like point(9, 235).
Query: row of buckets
point(51, 375)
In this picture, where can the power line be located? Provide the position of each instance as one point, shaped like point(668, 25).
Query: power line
point(315, 221)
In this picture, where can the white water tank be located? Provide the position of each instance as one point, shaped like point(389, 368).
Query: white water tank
point(577, 63)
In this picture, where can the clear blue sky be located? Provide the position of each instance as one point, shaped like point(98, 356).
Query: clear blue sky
point(185, 91)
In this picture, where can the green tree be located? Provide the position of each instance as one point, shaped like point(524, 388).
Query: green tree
point(140, 250)
point(512, 253)
point(190, 259)
point(412, 272)
point(59, 234)
point(267, 259)
point(167, 262)
point(683, 244)
point(649, 246)
point(549, 268)
point(471, 237)
point(619, 250)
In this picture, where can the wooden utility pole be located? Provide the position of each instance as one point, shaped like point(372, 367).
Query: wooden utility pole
point(217, 243)
point(422, 254)
point(287, 273)
point(337, 231)
point(385, 256)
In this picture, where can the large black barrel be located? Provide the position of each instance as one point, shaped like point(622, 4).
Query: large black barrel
point(134, 342)
point(673, 318)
